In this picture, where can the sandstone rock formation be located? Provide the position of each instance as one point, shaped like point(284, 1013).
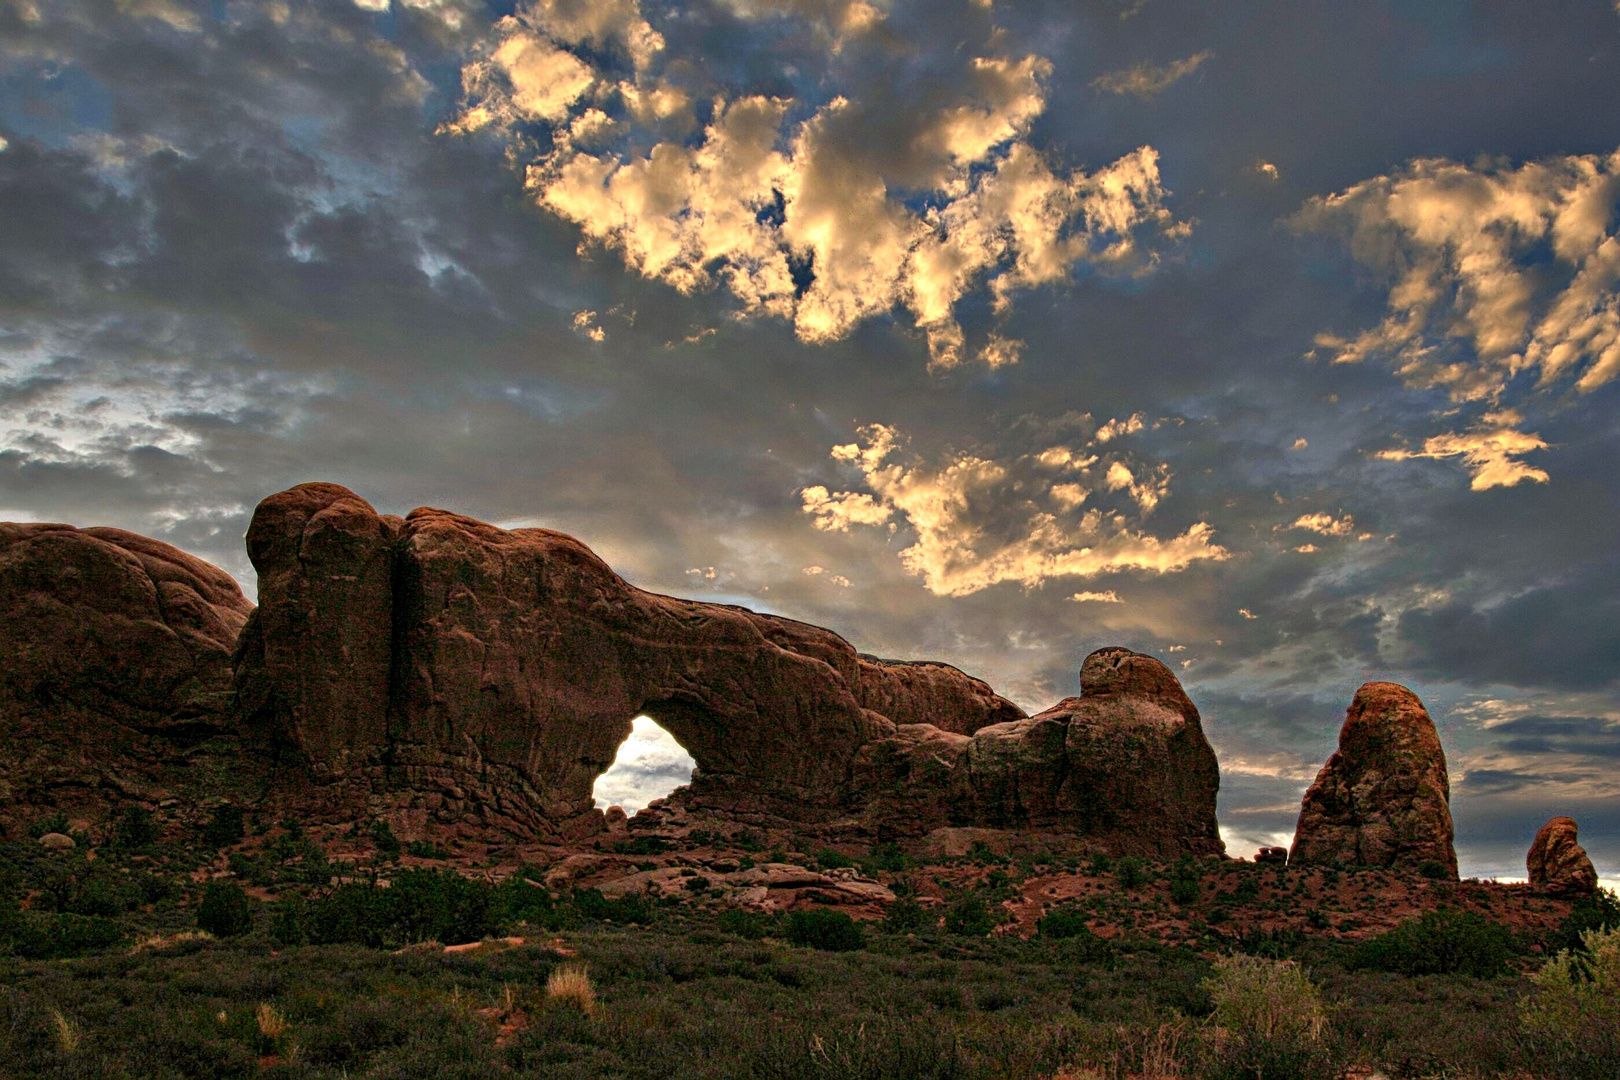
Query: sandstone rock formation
point(1383, 798)
point(496, 672)
point(1558, 865)
point(117, 654)
point(469, 672)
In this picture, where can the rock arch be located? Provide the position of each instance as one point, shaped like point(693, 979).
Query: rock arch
point(498, 670)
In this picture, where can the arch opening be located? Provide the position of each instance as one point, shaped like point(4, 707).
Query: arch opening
point(650, 765)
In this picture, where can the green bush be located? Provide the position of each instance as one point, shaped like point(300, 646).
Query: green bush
point(1601, 911)
point(1065, 923)
point(1573, 1012)
point(591, 904)
point(1432, 870)
point(420, 905)
point(819, 928)
point(426, 849)
point(383, 838)
point(1184, 891)
point(887, 858)
point(225, 828)
point(643, 845)
point(225, 910)
point(50, 937)
point(1101, 863)
point(57, 823)
point(1131, 873)
point(828, 859)
point(970, 917)
point(905, 916)
point(289, 922)
point(135, 828)
point(748, 925)
point(1444, 942)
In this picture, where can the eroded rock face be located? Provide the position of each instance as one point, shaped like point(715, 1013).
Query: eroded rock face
point(1126, 762)
point(117, 653)
point(476, 673)
point(498, 671)
point(1383, 798)
point(1558, 865)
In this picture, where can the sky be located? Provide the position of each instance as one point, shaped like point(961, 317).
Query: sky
point(1280, 341)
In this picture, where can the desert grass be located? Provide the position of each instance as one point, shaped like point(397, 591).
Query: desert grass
point(571, 985)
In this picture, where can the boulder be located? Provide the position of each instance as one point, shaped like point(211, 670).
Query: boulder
point(1383, 798)
point(1125, 764)
point(1558, 865)
point(56, 841)
point(118, 659)
point(1272, 856)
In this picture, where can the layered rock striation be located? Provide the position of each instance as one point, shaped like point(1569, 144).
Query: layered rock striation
point(1557, 863)
point(1383, 798)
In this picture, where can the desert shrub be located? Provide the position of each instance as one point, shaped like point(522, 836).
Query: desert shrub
point(591, 904)
point(1269, 1018)
point(905, 916)
point(887, 858)
point(748, 925)
point(50, 937)
point(1272, 999)
point(355, 913)
point(384, 840)
point(225, 828)
point(1432, 870)
point(642, 845)
point(970, 917)
point(57, 823)
point(571, 985)
point(1065, 923)
point(983, 854)
point(1271, 944)
point(1443, 942)
point(819, 928)
point(1600, 911)
point(134, 828)
point(1184, 890)
point(426, 849)
point(225, 910)
point(1130, 872)
point(421, 905)
point(289, 922)
point(443, 906)
point(1101, 863)
point(100, 892)
point(1573, 1011)
point(314, 867)
point(828, 859)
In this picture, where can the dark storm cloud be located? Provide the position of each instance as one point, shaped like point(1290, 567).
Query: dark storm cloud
point(238, 252)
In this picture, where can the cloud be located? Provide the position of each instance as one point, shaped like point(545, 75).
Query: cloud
point(1489, 451)
point(824, 214)
point(974, 522)
point(1326, 524)
point(828, 576)
point(649, 765)
point(1493, 272)
point(1146, 80)
point(1109, 597)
